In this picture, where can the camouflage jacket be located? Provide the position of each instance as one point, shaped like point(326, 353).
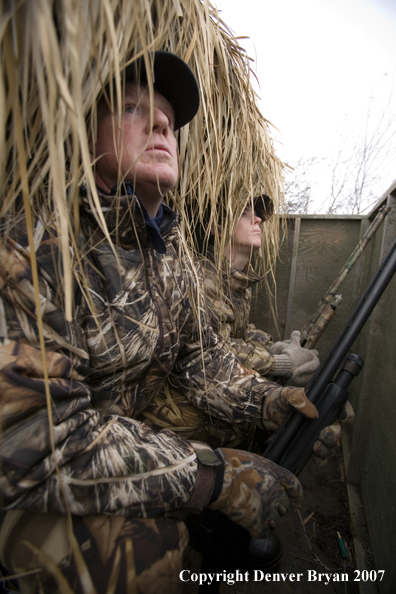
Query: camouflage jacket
point(229, 305)
point(150, 324)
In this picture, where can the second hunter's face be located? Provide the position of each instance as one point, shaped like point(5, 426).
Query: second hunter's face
point(247, 233)
point(131, 148)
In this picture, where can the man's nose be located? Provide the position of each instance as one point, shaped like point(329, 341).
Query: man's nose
point(161, 121)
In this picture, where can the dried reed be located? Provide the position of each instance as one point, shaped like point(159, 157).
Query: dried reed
point(56, 59)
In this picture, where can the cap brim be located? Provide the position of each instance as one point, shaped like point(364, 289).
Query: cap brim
point(264, 207)
point(174, 80)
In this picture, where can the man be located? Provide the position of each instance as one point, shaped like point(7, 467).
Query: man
point(139, 319)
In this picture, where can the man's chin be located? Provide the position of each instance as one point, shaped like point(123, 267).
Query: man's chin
point(154, 188)
point(160, 176)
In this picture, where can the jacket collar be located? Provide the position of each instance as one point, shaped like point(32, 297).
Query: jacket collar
point(125, 219)
point(236, 279)
point(240, 280)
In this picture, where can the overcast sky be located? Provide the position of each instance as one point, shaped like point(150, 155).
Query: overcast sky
point(320, 65)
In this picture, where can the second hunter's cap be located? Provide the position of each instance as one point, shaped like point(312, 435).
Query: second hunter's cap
point(263, 206)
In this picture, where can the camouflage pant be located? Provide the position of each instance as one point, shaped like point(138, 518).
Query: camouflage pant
point(170, 410)
point(110, 555)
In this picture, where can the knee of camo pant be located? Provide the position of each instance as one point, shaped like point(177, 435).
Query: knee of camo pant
point(111, 554)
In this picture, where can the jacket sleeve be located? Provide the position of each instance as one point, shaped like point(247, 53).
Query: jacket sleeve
point(57, 451)
point(259, 357)
point(209, 373)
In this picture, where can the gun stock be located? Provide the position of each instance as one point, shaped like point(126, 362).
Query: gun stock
point(292, 445)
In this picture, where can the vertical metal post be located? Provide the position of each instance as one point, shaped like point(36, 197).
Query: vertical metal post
point(292, 284)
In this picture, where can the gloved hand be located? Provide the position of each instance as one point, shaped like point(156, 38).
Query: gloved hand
point(256, 491)
point(330, 438)
point(279, 403)
point(293, 361)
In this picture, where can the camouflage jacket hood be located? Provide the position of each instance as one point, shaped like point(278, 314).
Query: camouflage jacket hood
point(231, 298)
point(139, 319)
point(229, 303)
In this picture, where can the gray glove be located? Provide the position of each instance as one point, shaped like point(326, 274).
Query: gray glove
point(256, 492)
point(293, 361)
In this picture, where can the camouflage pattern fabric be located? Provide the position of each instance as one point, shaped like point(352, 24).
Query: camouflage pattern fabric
point(140, 319)
point(330, 437)
point(171, 410)
point(229, 308)
point(117, 554)
point(150, 324)
point(256, 491)
point(229, 304)
point(278, 405)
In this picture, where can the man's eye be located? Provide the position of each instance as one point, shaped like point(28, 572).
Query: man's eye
point(132, 109)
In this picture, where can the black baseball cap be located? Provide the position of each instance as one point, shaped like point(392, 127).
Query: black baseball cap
point(263, 206)
point(174, 80)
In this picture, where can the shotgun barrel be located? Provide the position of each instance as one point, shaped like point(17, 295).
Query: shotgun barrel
point(292, 445)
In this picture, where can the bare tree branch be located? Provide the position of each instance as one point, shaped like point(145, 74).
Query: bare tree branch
point(357, 170)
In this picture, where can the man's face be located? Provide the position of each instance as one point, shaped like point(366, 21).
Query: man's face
point(127, 144)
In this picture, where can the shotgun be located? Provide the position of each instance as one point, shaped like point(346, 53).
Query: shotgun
point(292, 446)
point(314, 328)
